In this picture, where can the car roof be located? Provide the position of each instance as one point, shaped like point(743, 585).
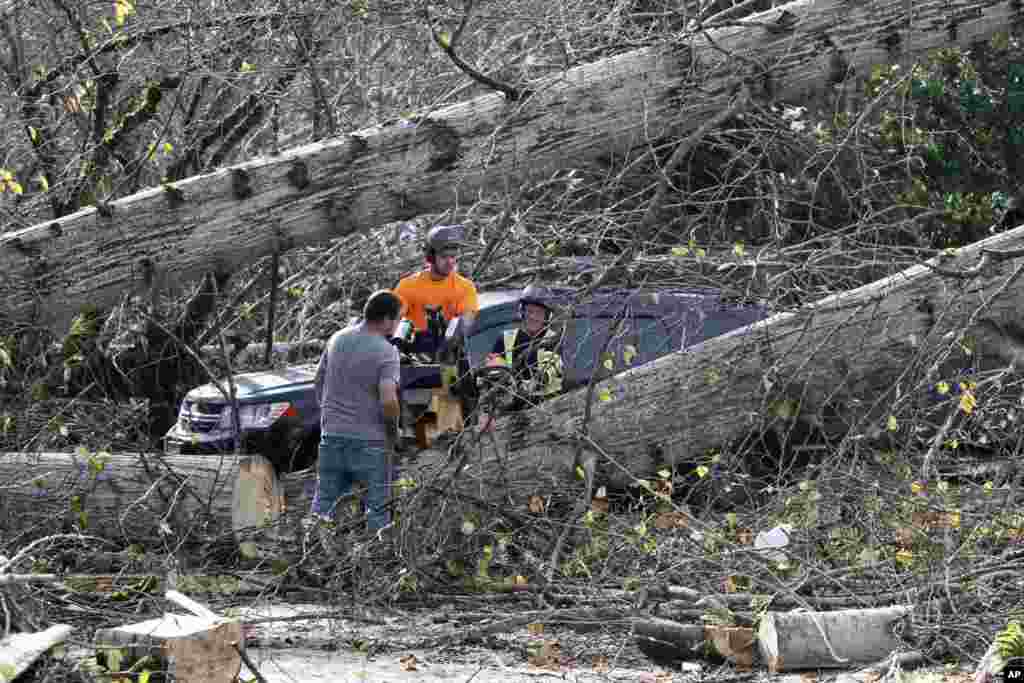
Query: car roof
point(606, 301)
point(497, 297)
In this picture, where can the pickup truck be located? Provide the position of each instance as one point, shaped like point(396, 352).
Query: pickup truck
point(278, 415)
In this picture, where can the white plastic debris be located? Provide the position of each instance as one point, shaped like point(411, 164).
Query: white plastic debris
point(777, 537)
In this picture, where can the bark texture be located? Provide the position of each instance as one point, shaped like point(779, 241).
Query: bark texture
point(589, 115)
point(861, 352)
point(123, 497)
point(827, 640)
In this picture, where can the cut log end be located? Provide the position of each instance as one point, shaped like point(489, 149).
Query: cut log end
point(821, 640)
point(258, 500)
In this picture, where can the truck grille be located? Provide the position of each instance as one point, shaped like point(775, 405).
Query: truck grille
point(200, 417)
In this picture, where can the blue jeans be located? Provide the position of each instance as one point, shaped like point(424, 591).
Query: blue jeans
point(344, 461)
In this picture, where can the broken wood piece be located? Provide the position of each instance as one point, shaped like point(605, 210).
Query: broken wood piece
point(20, 650)
point(820, 640)
point(189, 649)
point(187, 603)
point(444, 414)
point(684, 636)
point(735, 643)
point(664, 639)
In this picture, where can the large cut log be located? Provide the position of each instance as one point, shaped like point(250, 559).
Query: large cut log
point(610, 109)
point(138, 497)
point(827, 640)
point(860, 349)
point(190, 649)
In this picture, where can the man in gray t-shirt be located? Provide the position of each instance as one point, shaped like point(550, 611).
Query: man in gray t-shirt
point(357, 389)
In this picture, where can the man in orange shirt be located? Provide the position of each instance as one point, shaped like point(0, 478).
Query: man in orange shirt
point(439, 285)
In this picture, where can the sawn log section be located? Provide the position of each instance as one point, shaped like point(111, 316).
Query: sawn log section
point(587, 116)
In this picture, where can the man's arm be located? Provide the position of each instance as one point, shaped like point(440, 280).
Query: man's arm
point(401, 290)
point(321, 373)
point(389, 406)
point(387, 389)
point(497, 354)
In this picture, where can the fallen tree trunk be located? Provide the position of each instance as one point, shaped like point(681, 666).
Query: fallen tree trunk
point(137, 497)
point(861, 351)
point(404, 168)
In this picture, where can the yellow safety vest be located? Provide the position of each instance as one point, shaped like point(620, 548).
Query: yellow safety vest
point(547, 378)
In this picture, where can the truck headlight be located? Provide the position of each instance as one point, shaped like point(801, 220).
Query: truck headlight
point(263, 415)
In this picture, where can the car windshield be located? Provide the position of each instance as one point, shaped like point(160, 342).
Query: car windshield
point(648, 332)
point(492, 321)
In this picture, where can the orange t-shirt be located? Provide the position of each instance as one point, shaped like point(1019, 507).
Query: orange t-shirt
point(455, 295)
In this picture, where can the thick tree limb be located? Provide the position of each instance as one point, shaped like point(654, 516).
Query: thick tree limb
point(862, 350)
point(404, 168)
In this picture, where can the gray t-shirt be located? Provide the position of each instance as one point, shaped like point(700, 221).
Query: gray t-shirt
point(347, 383)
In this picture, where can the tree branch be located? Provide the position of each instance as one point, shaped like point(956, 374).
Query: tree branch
point(448, 46)
point(243, 119)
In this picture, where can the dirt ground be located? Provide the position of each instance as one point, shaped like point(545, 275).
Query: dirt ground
point(340, 650)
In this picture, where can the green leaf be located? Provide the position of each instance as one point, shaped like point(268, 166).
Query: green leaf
point(33, 134)
point(168, 148)
point(360, 8)
point(248, 550)
point(122, 10)
point(246, 67)
point(444, 40)
point(604, 395)
point(114, 658)
point(144, 676)
point(628, 354)
point(43, 182)
point(680, 251)
point(702, 471)
point(785, 409)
